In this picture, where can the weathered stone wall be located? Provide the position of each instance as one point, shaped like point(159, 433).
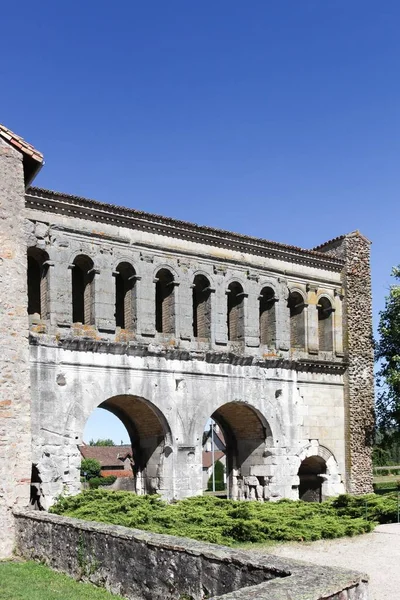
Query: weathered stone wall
point(15, 426)
point(358, 345)
point(296, 392)
point(145, 566)
point(294, 404)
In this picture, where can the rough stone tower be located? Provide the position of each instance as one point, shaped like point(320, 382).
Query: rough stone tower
point(19, 162)
point(354, 249)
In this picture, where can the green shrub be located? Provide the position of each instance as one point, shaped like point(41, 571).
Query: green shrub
point(91, 467)
point(230, 522)
point(95, 482)
point(219, 472)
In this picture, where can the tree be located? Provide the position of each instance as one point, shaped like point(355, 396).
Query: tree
point(91, 467)
point(388, 376)
point(219, 472)
point(101, 442)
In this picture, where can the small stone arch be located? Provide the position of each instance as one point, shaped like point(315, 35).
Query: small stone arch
point(325, 307)
point(83, 272)
point(165, 300)
point(296, 304)
point(38, 283)
point(125, 296)
point(235, 311)
point(318, 475)
point(201, 306)
point(248, 440)
point(168, 267)
point(267, 316)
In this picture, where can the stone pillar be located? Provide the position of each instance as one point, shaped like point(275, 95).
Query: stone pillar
point(15, 419)
point(354, 249)
point(221, 310)
point(104, 297)
point(61, 289)
point(312, 320)
point(251, 315)
point(146, 299)
point(184, 308)
point(337, 324)
point(282, 316)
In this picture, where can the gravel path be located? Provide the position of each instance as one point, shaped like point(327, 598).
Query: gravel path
point(377, 554)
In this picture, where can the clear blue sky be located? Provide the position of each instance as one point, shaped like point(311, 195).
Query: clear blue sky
point(276, 119)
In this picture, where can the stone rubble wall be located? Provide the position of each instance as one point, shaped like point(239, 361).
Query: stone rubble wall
point(358, 344)
point(141, 565)
point(15, 425)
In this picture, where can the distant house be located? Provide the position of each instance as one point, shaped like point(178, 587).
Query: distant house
point(219, 452)
point(114, 460)
point(118, 460)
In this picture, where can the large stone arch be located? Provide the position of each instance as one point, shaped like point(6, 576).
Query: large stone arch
point(150, 437)
point(57, 458)
point(316, 459)
point(248, 439)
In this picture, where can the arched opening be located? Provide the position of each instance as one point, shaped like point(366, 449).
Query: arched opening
point(296, 306)
point(325, 325)
point(310, 471)
point(214, 459)
point(235, 315)
point(247, 436)
point(83, 290)
point(267, 317)
point(38, 292)
point(36, 489)
point(201, 307)
point(138, 463)
point(165, 302)
point(125, 296)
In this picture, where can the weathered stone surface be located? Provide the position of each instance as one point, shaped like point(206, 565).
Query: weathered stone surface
point(145, 566)
point(359, 376)
point(15, 424)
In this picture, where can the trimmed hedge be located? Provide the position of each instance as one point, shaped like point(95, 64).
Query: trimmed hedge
point(230, 522)
point(96, 482)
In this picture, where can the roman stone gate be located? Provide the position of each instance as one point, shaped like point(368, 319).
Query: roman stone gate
point(167, 324)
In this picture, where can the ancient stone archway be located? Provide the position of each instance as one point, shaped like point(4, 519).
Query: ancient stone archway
point(310, 479)
point(318, 473)
point(247, 437)
point(150, 439)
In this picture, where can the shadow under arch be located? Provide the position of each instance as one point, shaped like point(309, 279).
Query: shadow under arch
point(247, 437)
point(150, 438)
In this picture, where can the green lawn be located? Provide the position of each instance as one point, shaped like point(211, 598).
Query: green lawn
point(31, 581)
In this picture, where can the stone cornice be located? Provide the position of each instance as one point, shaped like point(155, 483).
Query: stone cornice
point(74, 206)
point(214, 357)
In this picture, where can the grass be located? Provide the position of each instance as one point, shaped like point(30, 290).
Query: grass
point(232, 523)
point(32, 581)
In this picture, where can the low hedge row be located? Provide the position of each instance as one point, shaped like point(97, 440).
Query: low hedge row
point(96, 482)
point(230, 522)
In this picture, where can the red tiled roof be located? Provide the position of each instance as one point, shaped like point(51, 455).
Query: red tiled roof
point(116, 473)
point(320, 247)
point(32, 158)
point(18, 142)
point(108, 456)
point(207, 458)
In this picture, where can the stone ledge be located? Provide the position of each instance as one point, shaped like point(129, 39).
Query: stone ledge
point(141, 564)
point(85, 344)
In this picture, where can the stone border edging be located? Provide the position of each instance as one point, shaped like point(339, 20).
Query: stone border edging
point(292, 579)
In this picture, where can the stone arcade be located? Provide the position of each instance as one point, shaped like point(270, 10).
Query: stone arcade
point(165, 324)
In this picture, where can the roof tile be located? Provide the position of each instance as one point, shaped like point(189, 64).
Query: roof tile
point(18, 142)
